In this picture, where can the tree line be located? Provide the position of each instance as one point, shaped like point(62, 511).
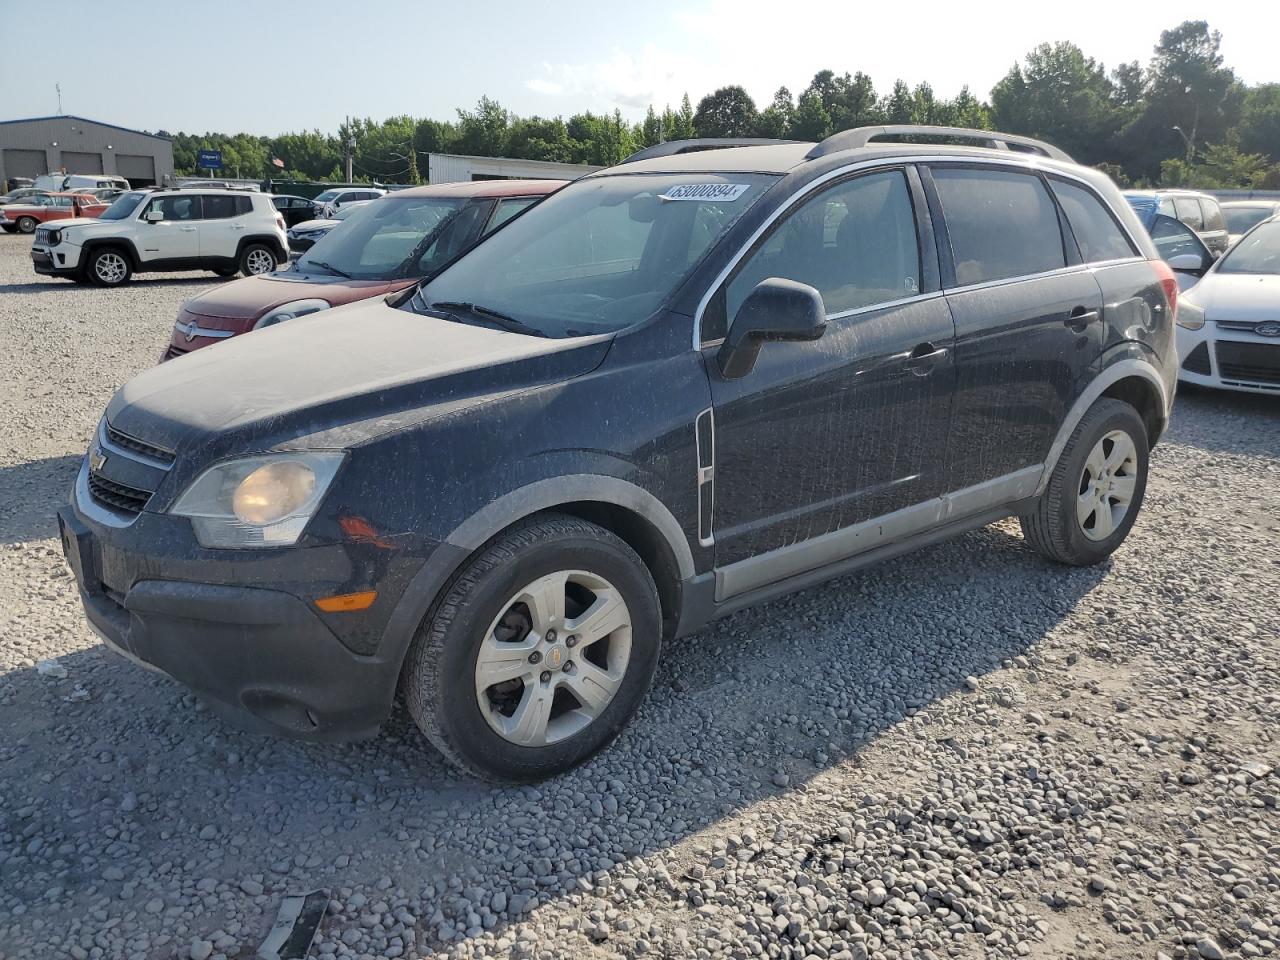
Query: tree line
point(1182, 119)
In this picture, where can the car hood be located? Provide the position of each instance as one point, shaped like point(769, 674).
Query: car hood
point(351, 374)
point(251, 297)
point(306, 226)
point(77, 222)
point(1237, 296)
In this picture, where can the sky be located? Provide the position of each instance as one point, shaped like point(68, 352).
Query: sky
point(240, 67)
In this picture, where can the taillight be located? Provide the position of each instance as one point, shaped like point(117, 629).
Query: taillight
point(1169, 281)
point(279, 221)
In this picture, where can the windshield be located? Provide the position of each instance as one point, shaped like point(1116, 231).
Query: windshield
point(122, 206)
point(397, 237)
point(327, 195)
point(1240, 219)
point(1259, 252)
point(599, 255)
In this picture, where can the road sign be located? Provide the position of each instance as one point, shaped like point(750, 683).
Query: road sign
point(209, 159)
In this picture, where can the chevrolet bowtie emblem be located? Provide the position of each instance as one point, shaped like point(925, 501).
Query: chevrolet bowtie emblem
point(97, 459)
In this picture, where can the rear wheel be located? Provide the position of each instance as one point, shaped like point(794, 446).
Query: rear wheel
point(109, 267)
point(257, 258)
point(540, 652)
point(26, 225)
point(1096, 488)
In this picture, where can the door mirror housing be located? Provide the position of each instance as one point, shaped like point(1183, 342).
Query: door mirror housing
point(776, 309)
point(153, 216)
point(1188, 263)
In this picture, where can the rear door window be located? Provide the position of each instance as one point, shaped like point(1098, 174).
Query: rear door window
point(1213, 218)
point(1096, 231)
point(220, 207)
point(1189, 212)
point(1001, 224)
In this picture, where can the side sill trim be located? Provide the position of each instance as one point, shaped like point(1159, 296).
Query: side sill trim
point(785, 562)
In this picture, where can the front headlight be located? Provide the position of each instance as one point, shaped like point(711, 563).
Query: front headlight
point(288, 311)
point(1188, 315)
point(53, 237)
point(263, 501)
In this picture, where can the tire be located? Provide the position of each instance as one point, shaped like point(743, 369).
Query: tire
point(10, 229)
point(1083, 516)
point(482, 612)
point(254, 259)
point(109, 267)
point(26, 225)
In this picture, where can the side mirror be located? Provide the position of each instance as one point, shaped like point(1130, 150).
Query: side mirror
point(1188, 263)
point(154, 216)
point(776, 309)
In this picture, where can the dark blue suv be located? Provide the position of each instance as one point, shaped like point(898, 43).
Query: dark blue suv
point(697, 380)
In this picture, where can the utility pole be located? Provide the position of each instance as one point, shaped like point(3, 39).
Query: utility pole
point(350, 146)
point(58, 87)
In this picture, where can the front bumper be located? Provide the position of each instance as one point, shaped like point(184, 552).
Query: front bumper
point(263, 655)
point(1229, 359)
point(300, 245)
point(55, 262)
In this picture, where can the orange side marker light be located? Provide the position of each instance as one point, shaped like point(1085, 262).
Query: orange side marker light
point(344, 602)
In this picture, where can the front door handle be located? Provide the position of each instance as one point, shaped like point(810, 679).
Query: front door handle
point(187, 229)
point(924, 358)
point(1080, 318)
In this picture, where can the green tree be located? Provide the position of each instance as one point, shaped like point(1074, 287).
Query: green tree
point(776, 119)
point(899, 105)
point(682, 122)
point(483, 132)
point(1059, 95)
point(651, 130)
point(811, 120)
point(539, 138)
point(1190, 90)
point(1260, 120)
point(729, 112)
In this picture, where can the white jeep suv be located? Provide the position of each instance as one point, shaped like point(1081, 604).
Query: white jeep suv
point(155, 230)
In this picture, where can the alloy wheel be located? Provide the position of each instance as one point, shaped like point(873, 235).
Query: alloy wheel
point(1107, 485)
point(110, 268)
point(553, 659)
point(259, 261)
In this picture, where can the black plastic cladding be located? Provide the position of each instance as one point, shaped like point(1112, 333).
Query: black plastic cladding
point(447, 433)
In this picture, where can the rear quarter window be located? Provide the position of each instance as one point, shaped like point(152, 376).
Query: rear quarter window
point(1096, 231)
point(1188, 210)
point(1001, 224)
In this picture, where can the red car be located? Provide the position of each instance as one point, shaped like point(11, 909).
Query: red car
point(25, 217)
point(388, 245)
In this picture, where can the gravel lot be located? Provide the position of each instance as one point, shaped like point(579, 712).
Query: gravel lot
point(961, 753)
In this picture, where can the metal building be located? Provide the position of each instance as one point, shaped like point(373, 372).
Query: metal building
point(454, 168)
point(70, 144)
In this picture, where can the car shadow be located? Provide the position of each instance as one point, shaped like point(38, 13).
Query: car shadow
point(150, 280)
point(793, 687)
point(1204, 418)
point(32, 491)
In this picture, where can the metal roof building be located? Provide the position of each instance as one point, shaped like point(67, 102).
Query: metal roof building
point(71, 144)
point(454, 168)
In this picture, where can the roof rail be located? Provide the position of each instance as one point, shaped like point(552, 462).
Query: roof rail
point(673, 147)
point(861, 136)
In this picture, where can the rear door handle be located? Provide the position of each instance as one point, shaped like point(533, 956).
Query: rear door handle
point(187, 229)
point(237, 226)
point(1081, 317)
point(924, 358)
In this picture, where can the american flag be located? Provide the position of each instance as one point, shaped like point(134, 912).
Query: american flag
point(276, 161)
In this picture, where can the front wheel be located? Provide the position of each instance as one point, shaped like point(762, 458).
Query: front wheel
point(26, 225)
point(109, 267)
point(1096, 488)
point(257, 258)
point(540, 652)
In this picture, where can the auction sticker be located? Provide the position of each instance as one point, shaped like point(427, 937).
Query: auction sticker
point(716, 192)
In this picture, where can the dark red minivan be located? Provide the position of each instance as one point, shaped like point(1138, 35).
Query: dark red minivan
point(389, 245)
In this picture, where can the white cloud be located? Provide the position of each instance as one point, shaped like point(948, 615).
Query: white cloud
point(626, 80)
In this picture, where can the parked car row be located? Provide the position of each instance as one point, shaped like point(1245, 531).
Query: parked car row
point(663, 392)
point(28, 213)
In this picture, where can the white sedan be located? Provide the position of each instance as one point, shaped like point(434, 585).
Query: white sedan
point(1229, 322)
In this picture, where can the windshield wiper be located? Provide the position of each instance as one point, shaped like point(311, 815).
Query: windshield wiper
point(493, 316)
point(330, 267)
